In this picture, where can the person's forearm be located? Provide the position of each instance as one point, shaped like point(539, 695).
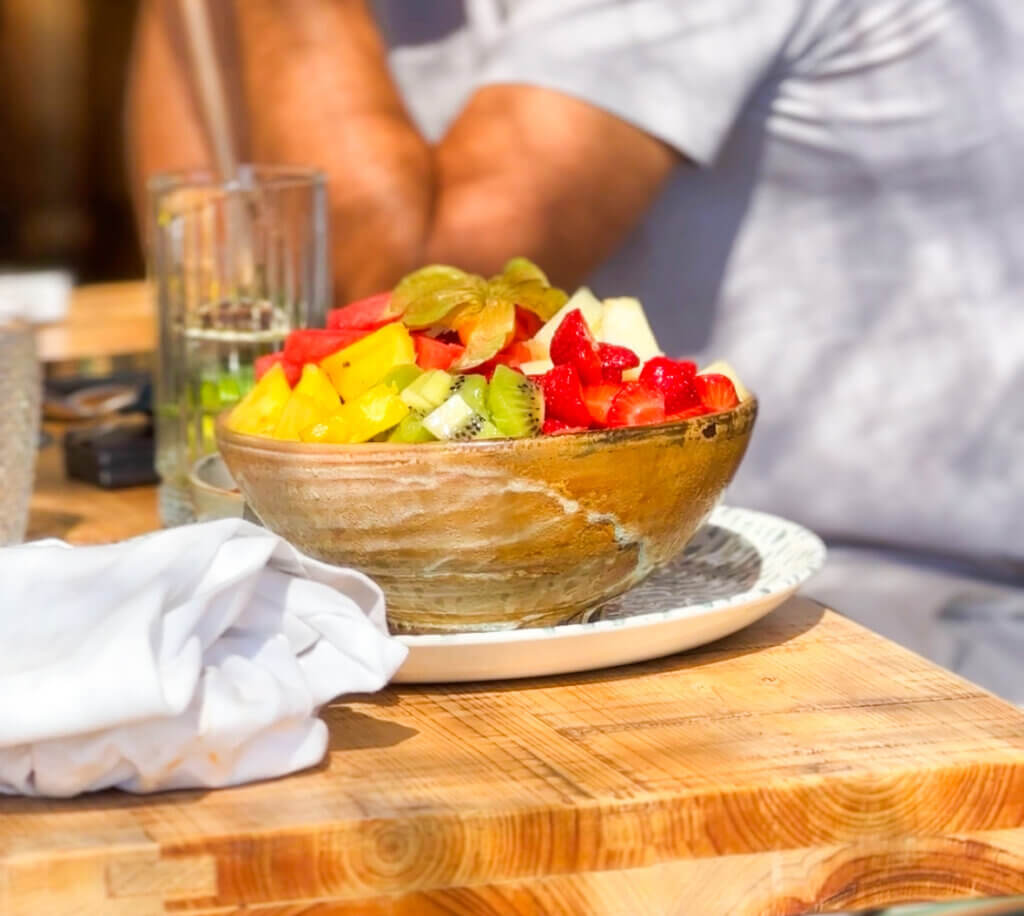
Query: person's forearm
point(319, 92)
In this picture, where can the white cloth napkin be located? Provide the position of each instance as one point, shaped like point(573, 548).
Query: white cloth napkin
point(195, 656)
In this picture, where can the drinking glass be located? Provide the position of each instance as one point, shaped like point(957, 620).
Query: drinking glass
point(21, 384)
point(236, 266)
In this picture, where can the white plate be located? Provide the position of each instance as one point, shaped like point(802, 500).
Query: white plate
point(740, 566)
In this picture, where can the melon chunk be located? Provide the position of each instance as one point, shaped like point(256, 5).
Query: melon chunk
point(623, 322)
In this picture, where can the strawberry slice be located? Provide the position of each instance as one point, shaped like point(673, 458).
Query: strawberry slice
point(615, 360)
point(637, 404)
point(598, 399)
point(553, 427)
point(699, 411)
point(573, 345)
point(563, 396)
point(365, 315)
point(674, 379)
point(435, 354)
point(263, 364)
point(716, 392)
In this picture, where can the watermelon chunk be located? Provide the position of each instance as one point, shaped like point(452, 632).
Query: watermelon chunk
point(311, 345)
point(435, 354)
point(263, 364)
point(365, 315)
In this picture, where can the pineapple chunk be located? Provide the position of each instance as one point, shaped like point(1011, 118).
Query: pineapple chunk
point(260, 410)
point(721, 367)
point(359, 367)
point(623, 322)
point(584, 300)
point(373, 412)
point(313, 399)
point(536, 367)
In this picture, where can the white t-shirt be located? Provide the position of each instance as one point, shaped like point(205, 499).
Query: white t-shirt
point(849, 232)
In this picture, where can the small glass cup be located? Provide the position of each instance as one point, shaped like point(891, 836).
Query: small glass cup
point(21, 383)
point(236, 265)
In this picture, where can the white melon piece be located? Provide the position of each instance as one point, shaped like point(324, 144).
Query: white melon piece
point(584, 300)
point(721, 367)
point(536, 367)
point(623, 322)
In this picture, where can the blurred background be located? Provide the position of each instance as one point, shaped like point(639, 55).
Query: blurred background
point(63, 190)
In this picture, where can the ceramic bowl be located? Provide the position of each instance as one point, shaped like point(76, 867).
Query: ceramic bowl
point(495, 534)
point(214, 493)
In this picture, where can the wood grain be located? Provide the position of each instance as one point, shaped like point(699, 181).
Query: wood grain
point(803, 765)
point(106, 319)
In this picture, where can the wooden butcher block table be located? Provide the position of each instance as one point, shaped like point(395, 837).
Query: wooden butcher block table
point(802, 765)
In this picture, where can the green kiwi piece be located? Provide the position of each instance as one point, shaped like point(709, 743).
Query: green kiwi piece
point(428, 391)
point(489, 431)
point(515, 404)
point(473, 389)
point(411, 429)
point(455, 419)
point(401, 377)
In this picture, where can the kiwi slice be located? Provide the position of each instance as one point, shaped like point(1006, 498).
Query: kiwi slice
point(473, 389)
point(455, 419)
point(411, 429)
point(489, 431)
point(428, 391)
point(515, 404)
point(401, 377)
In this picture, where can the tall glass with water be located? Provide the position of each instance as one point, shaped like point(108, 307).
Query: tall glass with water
point(236, 266)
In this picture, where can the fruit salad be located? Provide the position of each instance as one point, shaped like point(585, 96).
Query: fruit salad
point(448, 355)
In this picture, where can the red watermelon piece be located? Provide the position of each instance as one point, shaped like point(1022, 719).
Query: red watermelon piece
point(310, 345)
point(364, 315)
point(435, 354)
point(263, 364)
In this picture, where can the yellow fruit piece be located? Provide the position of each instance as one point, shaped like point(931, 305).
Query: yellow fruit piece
point(260, 410)
point(360, 366)
point(373, 412)
point(312, 400)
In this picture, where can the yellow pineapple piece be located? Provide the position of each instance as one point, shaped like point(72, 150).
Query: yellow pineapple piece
point(373, 412)
point(360, 366)
point(260, 410)
point(313, 399)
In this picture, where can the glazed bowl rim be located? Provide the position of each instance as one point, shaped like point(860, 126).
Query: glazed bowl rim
point(591, 437)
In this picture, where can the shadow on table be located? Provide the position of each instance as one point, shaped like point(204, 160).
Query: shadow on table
point(796, 617)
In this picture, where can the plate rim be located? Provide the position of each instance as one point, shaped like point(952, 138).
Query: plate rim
point(794, 580)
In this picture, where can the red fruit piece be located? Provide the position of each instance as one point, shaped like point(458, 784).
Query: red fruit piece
point(513, 356)
point(553, 427)
point(674, 379)
point(699, 411)
point(598, 399)
point(572, 344)
point(716, 392)
point(435, 354)
point(527, 324)
point(365, 315)
point(263, 364)
point(637, 404)
point(615, 360)
point(310, 345)
point(563, 396)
